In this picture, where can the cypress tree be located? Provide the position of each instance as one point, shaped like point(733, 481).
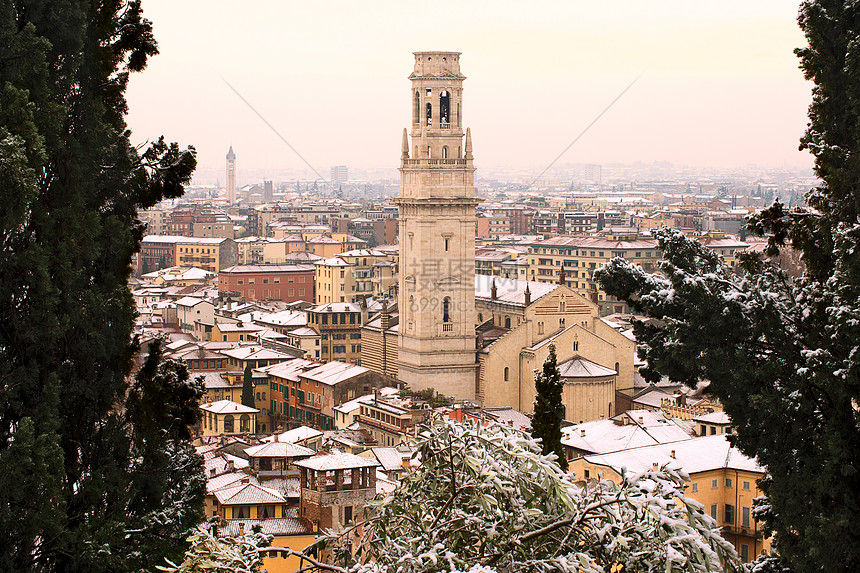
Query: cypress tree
point(77, 492)
point(548, 409)
point(248, 388)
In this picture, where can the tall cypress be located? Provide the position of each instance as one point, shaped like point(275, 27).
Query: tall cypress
point(548, 409)
point(247, 387)
point(73, 493)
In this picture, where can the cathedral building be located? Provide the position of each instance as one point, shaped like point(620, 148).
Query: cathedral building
point(471, 336)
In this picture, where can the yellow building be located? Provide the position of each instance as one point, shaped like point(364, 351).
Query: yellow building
point(722, 479)
point(354, 275)
point(520, 320)
point(261, 250)
point(517, 322)
point(227, 417)
point(235, 331)
point(572, 260)
point(212, 254)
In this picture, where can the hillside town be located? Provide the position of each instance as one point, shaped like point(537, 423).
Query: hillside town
point(327, 330)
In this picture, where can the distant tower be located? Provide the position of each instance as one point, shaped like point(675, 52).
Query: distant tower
point(231, 176)
point(437, 234)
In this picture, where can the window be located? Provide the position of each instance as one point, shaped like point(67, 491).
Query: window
point(730, 513)
point(745, 552)
point(446, 310)
point(242, 512)
point(714, 510)
point(347, 514)
point(714, 484)
point(745, 517)
point(507, 373)
point(728, 482)
point(695, 486)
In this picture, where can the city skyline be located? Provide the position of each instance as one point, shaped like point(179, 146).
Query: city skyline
point(718, 85)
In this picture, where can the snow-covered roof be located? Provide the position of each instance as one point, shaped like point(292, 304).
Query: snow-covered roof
point(718, 417)
point(296, 435)
point(336, 461)
point(278, 450)
point(693, 456)
point(603, 436)
point(248, 494)
point(579, 367)
point(269, 526)
point(332, 373)
point(391, 459)
point(511, 291)
point(255, 353)
point(228, 407)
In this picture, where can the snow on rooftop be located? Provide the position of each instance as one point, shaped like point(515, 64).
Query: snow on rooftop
point(228, 407)
point(336, 461)
point(693, 456)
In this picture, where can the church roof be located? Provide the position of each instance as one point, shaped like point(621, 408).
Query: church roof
point(578, 367)
point(511, 291)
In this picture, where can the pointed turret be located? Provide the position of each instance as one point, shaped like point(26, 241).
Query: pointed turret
point(469, 143)
point(404, 151)
point(230, 154)
point(528, 295)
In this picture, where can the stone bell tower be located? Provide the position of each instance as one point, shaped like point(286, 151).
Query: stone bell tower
point(437, 234)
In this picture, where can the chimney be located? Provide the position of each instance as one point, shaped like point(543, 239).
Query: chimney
point(230, 466)
point(672, 453)
point(562, 277)
point(641, 420)
point(241, 529)
point(654, 467)
point(364, 314)
point(493, 290)
point(582, 433)
point(276, 437)
point(528, 295)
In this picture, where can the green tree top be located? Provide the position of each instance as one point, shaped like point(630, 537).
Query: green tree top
point(248, 388)
point(548, 409)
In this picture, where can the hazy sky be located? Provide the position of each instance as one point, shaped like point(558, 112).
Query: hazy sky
point(719, 86)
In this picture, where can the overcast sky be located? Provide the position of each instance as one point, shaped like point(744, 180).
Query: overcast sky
point(719, 85)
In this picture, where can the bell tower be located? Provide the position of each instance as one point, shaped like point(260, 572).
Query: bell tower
point(231, 176)
point(437, 234)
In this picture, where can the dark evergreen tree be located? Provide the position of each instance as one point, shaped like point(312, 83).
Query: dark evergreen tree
point(248, 388)
point(781, 354)
point(548, 409)
point(77, 492)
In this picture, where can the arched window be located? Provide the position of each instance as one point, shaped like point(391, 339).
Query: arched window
point(507, 373)
point(444, 152)
point(429, 113)
point(245, 423)
point(444, 107)
point(507, 322)
point(480, 317)
point(561, 305)
point(446, 310)
point(228, 424)
point(561, 323)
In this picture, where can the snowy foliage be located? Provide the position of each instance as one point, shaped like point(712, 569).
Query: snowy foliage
point(208, 553)
point(485, 500)
point(782, 357)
